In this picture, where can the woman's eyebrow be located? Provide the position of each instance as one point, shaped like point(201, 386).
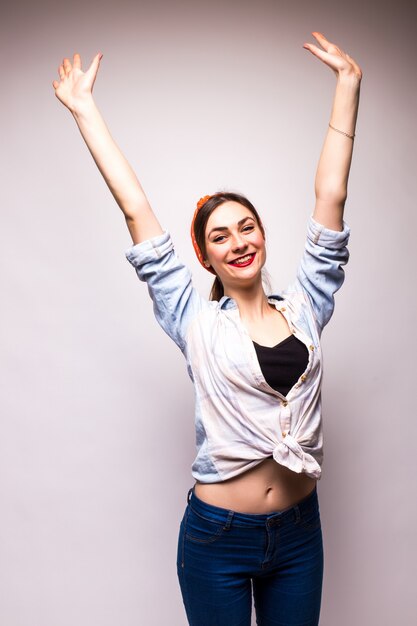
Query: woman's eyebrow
point(223, 228)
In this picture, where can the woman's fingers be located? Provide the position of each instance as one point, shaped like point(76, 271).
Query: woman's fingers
point(77, 61)
point(75, 86)
point(325, 43)
point(67, 66)
point(74, 83)
point(328, 47)
point(333, 56)
point(93, 69)
point(330, 59)
point(321, 39)
point(322, 54)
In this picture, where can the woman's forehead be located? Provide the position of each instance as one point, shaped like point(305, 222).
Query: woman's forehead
point(228, 214)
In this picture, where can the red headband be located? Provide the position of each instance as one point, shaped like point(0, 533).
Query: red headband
point(193, 239)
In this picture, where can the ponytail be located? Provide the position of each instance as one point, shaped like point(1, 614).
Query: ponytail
point(217, 290)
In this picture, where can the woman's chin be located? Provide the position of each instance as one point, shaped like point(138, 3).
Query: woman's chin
point(242, 281)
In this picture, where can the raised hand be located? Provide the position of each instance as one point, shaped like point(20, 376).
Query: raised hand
point(338, 60)
point(75, 86)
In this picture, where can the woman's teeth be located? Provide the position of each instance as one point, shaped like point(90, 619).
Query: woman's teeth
point(242, 260)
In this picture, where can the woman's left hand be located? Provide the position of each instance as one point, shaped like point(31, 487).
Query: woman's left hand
point(339, 61)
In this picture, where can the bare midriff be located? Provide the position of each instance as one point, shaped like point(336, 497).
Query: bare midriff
point(266, 488)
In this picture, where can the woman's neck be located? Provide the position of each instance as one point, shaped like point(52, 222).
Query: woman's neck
point(252, 302)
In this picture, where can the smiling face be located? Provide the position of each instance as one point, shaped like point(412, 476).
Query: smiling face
point(235, 245)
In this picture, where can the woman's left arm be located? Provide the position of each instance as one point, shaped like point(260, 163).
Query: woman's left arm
point(336, 156)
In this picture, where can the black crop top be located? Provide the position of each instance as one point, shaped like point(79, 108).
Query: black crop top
point(283, 364)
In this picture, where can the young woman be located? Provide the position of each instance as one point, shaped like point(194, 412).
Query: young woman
point(252, 521)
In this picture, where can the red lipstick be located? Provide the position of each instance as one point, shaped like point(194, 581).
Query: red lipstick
point(246, 263)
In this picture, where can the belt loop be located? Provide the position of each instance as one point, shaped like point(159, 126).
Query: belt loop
point(189, 494)
point(229, 520)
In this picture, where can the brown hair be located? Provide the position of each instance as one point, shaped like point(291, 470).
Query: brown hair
point(217, 290)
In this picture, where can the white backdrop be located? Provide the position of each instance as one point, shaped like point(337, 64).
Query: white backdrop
point(96, 427)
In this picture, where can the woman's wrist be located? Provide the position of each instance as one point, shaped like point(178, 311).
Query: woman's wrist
point(350, 79)
point(82, 107)
point(345, 104)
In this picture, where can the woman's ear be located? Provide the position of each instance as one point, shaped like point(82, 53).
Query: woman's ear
point(206, 263)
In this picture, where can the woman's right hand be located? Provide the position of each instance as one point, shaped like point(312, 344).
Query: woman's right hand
point(75, 86)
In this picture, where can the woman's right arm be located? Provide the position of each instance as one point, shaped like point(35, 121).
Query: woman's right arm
point(74, 90)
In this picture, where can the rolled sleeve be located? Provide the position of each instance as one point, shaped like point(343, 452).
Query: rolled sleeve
point(327, 238)
point(175, 300)
point(149, 250)
point(320, 273)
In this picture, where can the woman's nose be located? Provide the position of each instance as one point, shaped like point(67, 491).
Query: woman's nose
point(238, 242)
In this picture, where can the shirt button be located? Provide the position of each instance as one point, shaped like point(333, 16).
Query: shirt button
point(311, 347)
point(284, 434)
point(284, 402)
point(303, 377)
point(283, 308)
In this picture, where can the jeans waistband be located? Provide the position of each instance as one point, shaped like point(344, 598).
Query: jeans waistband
point(225, 516)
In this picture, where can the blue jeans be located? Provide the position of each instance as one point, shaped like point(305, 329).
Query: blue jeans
point(223, 555)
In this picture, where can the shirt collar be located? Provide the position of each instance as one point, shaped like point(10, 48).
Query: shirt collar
point(226, 302)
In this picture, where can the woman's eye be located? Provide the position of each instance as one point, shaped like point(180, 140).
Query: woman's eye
point(248, 228)
point(219, 238)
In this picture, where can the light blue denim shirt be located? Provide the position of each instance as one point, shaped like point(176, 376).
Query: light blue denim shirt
point(239, 419)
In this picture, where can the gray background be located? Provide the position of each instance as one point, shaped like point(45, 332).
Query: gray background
point(96, 430)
